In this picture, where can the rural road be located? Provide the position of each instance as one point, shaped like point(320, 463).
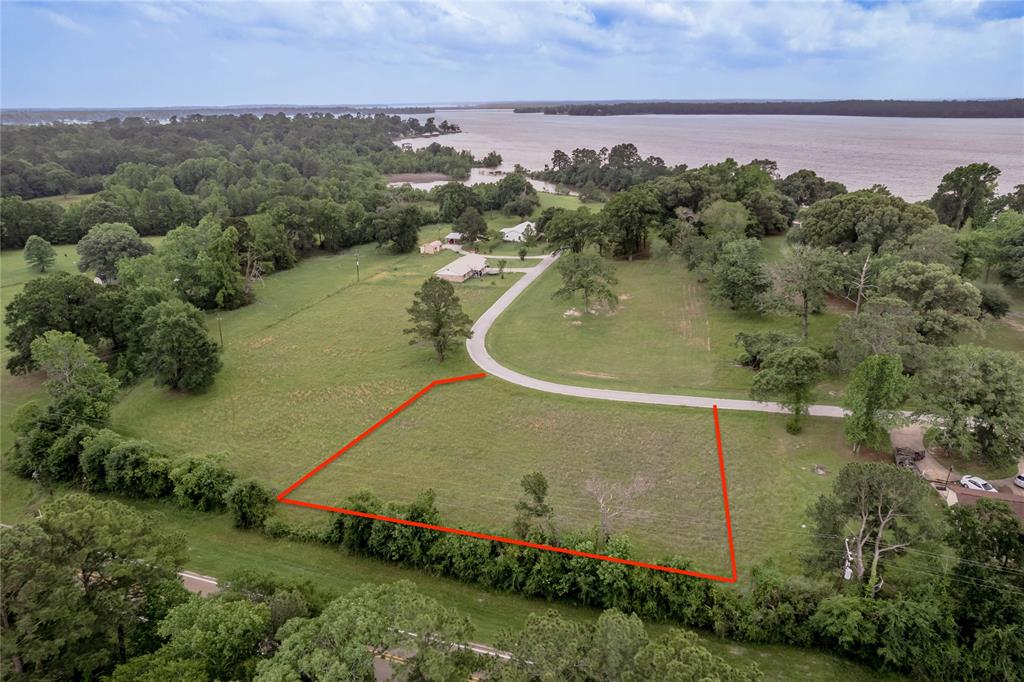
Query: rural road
point(477, 347)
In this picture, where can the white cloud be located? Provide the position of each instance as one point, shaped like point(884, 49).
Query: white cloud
point(63, 20)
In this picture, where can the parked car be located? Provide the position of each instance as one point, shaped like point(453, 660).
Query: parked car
point(1018, 480)
point(975, 483)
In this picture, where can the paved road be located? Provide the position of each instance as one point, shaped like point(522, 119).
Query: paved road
point(477, 347)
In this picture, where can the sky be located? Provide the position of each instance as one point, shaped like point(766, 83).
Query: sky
point(125, 54)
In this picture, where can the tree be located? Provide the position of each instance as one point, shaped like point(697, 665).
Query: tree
point(935, 244)
point(574, 230)
point(807, 274)
point(876, 390)
point(615, 647)
point(615, 500)
point(71, 366)
point(178, 349)
point(789, 375)
point(589, 274)
point(875, 511)
point(491, 160)
point(965, 193)
point(629, 216)
point(945, 305)
point(397, 226)
point(250, 503)
point(739, 276)
point(341, 642)
point(770, 212)
point(203, 264)
point(133, 468)
point(472, 226)
point(224, 634)
point(62, 302)
point(532, 506)
point(105, 244)
point(452, 199)
point(989, 542)
point(437, 317)
point(858, 220)
point(20, 219)
point(50, 440)
point(805, 187)
point(39, 253)
point(84, 585)
point(201, 483)
point(886, 325)
point(977, 396)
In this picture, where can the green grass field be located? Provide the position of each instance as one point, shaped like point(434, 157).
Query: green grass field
point(666, 336)
point(64, 200)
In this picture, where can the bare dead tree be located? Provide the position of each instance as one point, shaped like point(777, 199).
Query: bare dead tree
point(615, 501)
point(860, 285)
point(253, 271)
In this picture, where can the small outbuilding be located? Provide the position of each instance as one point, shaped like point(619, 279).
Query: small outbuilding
point(431, 247)
point(518, 233)
point(463, 268)
point(453, 238)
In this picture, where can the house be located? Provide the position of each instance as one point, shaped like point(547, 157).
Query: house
point(453, 238)
point(970, 497)
point(463, 268)
point(517, 233)
point(431, 247)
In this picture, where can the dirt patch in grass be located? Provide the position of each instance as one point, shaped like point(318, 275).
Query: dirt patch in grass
point(593, 375)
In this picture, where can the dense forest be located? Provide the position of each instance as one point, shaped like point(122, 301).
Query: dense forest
point(1006, 108)
point(71, 115)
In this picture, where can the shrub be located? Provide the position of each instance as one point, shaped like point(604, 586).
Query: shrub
point(201, 483)
point(250, 503)
point(135, 470)
point(62, 460)
point(994, 300)
point(93, 458)
point(757, 345)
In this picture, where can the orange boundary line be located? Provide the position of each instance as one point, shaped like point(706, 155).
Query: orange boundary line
point(283, 498)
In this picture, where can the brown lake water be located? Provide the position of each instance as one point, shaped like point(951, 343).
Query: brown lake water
point(909, 155)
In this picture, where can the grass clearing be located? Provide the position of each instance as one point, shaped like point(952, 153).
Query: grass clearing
point(666, 336)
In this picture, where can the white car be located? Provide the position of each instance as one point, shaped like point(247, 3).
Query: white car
point(1019, 480)
point(975, 483)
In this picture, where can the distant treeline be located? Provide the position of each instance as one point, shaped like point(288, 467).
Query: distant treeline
point(36, 116)
point(1004, 108)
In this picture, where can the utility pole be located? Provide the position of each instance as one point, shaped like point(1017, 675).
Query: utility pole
point(847, 571)
point(221, 330)
point(357, 267)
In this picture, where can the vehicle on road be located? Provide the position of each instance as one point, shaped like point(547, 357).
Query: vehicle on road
point(976, 483)
point(1018, 480)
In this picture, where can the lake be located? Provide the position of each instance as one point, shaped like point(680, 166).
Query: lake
point(909, 155)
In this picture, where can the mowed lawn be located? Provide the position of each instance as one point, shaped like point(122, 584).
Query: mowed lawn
point(666, 335)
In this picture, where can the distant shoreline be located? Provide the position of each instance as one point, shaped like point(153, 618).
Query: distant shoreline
point(1007, 108)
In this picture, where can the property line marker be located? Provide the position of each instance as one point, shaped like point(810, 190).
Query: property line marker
point(283, 498)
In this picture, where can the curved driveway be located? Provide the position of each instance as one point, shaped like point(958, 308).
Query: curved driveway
point(477, 347)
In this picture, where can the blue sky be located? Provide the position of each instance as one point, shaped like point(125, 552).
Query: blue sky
point(98, 54)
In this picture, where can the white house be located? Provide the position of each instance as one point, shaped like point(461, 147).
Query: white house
point(517, 233)
point(431, 247)
point(463, 268)
point(453, 238)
